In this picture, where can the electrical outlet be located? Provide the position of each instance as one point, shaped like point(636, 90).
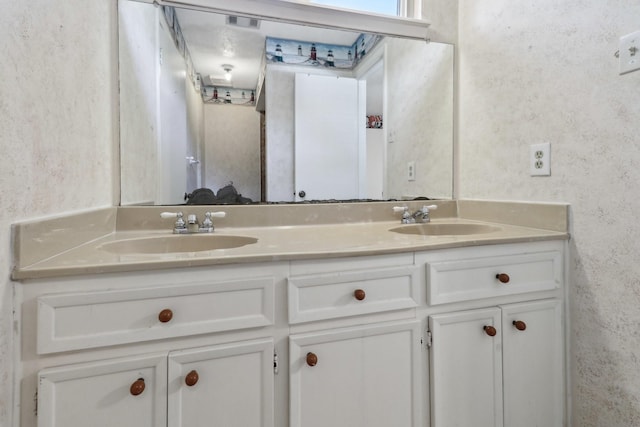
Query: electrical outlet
point(629, 53)
point(540, 159)
point(411, 171)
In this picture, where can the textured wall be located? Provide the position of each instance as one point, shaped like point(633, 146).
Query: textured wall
point(232, 148)
point(419, 119)
point(195, 134)
point(443, 18)
point(138, 47)
point(57, 104)
point(545, 71)
point(280, 135)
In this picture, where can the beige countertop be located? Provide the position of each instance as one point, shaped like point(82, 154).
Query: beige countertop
point(305, 240)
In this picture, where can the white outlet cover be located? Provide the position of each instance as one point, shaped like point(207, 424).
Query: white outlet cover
point(411, 171)
point(540, 159)
point(629, 52)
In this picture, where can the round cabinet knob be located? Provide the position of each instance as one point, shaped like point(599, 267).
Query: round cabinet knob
point(302, 194)
point(503, 277)
point(137, 387)
point(312, 359)
point(192, 378)
point(520, 325)
point(165, 315)
point(490, 330)
point(359, 294)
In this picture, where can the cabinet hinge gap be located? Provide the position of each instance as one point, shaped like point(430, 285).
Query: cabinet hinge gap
point(275, 363)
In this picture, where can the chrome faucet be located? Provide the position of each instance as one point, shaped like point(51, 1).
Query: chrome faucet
point(192, 226)
point(422, 215)
point(419, 216)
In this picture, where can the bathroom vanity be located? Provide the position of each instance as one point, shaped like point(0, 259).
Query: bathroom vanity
point(328, 319)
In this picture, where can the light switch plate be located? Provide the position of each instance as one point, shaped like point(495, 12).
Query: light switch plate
point(629, 53)
point(540, 159)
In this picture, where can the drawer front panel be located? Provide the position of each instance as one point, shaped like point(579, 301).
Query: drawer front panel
point(461, 276)
point(95, 319)
point(331, 296)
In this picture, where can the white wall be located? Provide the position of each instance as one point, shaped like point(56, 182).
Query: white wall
point(195, 135)
point(59, 122)
point(545, 71)
point(375, 163)
point(172, 121)
point(279, 134)
point(419, 119)
point(139, 133)
point(232, 148)
point(161, 112)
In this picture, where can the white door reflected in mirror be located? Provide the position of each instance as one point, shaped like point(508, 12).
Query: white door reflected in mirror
point(326, 138)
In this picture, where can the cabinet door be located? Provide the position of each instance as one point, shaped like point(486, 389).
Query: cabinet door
point(356, 377)
point(466, 369)
point(533, 364)
point(225, 385)
point(128, 392)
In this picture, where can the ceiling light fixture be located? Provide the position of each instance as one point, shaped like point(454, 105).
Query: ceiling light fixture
point(227, 71)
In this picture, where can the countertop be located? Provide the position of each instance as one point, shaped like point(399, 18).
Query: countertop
point(274, 243)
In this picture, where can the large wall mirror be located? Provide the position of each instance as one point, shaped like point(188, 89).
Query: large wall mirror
point(284, 112)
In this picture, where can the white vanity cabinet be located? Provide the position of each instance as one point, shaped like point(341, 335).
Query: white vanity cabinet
point(226, 385)
point(230, 385)
point(468, 336)
point(175, 348)
point(497, 361)
point(487, 372)
point(365, 374)
point(121, 392)
point(533, 361)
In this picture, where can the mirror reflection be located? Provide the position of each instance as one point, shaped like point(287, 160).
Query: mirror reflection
point(229, 109)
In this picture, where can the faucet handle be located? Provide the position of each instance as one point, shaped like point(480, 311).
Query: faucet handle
point(178, 215)
point(166, 215)
point(207, 224)
point(425, 211)
point(406, 215)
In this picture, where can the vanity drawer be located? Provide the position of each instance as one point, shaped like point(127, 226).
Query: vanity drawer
point(492, 271)
point(72, 321)
point(343, 294)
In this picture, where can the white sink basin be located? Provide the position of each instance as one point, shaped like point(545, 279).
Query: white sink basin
point(177, 243)
point(445, 229)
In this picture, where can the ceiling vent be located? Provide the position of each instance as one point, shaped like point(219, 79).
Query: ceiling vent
point(241, 21)
point(217, 81)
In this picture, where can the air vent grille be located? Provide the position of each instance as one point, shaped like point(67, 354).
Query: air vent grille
point(217, 81)
point(241, 21)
